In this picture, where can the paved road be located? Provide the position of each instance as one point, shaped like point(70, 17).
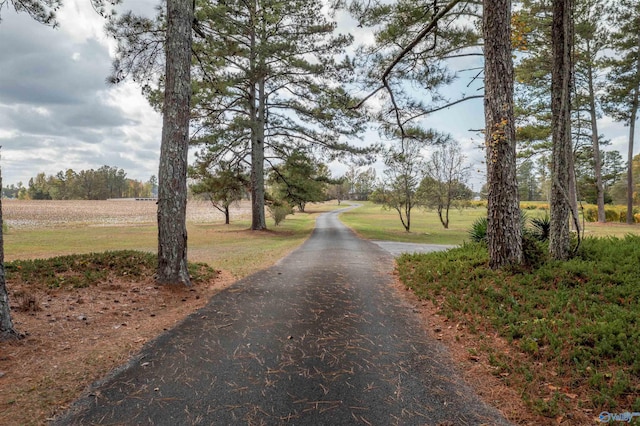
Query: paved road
point(321, 338)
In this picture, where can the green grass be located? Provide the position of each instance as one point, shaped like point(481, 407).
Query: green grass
point(373, 222)
point(230, 247)
point(573, 327)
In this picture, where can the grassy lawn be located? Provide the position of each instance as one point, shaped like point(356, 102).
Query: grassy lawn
point(371, 221)
point(230, 247)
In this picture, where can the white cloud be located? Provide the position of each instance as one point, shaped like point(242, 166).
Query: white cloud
point(56, 110)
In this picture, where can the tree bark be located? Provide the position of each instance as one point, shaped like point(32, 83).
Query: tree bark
point(504, 234)
point(595, 141)
point(257, 106)
point(7, 330)
point(632, 130)
point(561, 34)
point(172, 176)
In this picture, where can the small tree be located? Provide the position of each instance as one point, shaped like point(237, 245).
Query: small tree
point(299, 180)
point(404, 171)
point(225, 186)
point(444, 182)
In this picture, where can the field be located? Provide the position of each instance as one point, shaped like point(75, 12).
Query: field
point(375, 223)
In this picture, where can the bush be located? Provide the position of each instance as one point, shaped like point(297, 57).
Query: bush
point(478, 231)
point(534, 251)
point(591, 214)
point(279, 210)
point(577, 318)
point(540, 228)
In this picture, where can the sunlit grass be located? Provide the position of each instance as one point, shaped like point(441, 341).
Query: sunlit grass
point(230, 247)
point(373, 222)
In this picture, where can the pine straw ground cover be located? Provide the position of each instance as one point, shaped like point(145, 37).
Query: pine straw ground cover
point(84, 315)
point(564, 336)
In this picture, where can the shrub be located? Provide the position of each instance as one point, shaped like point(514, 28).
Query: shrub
point(611, 215)
point(478, 231)
point(541, 227)
point(534, 252)
point(279, 210)
point(591, 214)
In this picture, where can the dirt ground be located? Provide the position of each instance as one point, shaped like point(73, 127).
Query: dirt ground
point(76, 336)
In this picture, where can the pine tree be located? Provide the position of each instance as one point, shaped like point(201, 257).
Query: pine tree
point(172, 176)
point(623, 88)
point(561, 80)
point(504, 234)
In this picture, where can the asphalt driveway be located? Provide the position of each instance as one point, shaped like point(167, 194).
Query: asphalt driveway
point(321, 338)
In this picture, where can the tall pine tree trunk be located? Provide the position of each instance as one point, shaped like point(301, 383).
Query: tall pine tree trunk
point(504, 234)
point(561, 34)
point(257, 118)
point(7, 331)
point(258, 221)
point(632, 131)
point(172, 176)
point(595, 141)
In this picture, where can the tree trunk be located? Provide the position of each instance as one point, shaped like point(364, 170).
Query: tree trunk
point(561, 34)
point(573, 192)
point(257, 112)
point(504, 235)
point(172, 176)
point(595, 141)
point(7, 331)
point(632, 130)
point(227, 216)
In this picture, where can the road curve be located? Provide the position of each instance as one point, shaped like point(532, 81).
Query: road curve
point(321, 338)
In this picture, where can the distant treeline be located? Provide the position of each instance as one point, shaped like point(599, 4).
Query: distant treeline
point(106, 182)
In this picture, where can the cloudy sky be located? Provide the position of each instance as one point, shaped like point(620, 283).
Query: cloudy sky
point(57, 112)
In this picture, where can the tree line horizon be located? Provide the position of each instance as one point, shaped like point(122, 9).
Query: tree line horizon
point(91, 184)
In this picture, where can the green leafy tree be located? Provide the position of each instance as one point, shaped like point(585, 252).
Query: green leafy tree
point(223, 186)
point(300, 180)
point(361, 182)
point(38, 188)
point(528, 186)
point(404, 170)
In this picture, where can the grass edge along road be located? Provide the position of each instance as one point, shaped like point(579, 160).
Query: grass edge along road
point(571, 328)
